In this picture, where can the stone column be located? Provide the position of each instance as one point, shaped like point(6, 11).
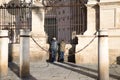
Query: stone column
point(3, 54)
point(24, 53)
point(103, 56)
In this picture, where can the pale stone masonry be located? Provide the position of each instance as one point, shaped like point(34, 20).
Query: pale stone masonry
point(24, 53)
point(102, 14)
point(103, 56)
point(3, 53)
point(37, 32)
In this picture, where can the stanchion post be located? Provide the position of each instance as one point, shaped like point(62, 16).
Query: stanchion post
point(3, 54)
point(103, 56)
point(24, 53)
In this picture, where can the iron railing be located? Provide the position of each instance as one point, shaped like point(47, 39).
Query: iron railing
point(65, 19)
point(15, 16)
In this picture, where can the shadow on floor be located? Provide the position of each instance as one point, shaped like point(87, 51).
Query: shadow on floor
point(14, 67)
point(81, 67)
point(76, 70)
point(92, 70)
point(73, 66)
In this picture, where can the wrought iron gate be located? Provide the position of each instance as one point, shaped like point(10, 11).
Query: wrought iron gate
point(65, 19)
point(15, 16)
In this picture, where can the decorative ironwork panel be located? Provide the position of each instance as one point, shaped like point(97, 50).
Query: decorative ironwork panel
point(15, 16)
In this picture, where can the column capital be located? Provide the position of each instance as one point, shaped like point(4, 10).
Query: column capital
point(103, 33)
point(92, 1)
point(38, 3)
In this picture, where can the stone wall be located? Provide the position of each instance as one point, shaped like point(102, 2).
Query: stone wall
point(38, 49)
point(88, 50)
point(104, 15)
point(100, 15)
point(89, 55)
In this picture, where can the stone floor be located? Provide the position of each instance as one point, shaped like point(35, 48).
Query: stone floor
point(60, 71)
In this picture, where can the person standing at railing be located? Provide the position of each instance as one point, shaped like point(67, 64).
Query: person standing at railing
point(54, 49)
point(62, 50)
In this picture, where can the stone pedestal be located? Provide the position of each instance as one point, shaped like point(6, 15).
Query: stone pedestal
point(3, 54)
point(38, 16)
point(103, 56)
point(92, 18)
point(38, 45)
point(24, 53)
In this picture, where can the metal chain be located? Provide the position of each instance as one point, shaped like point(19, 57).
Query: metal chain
point(77, 51)
point(84, 46)
point(69, 54)
point(87, 44)
point(38, 44)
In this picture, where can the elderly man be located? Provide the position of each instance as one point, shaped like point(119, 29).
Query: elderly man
point(54, 49)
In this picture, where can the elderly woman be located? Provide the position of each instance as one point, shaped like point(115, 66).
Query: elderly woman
point(62, 50)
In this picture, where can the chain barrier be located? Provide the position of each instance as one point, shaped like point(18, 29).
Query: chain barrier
point(88, 43)
point(95, 35)
point(47, 65)
point(111, 66)
point(69, 54)
point(38, 44)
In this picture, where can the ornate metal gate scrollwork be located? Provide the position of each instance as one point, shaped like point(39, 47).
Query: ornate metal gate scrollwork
point(15, 16)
